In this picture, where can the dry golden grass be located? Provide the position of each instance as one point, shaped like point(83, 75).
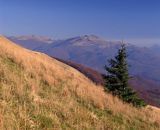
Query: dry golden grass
point(38, 92)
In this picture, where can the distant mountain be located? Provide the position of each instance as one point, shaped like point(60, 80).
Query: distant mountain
point(148, 89)
point(31, 41)
point(156, 49)
point(88, 50)
point(93, 51)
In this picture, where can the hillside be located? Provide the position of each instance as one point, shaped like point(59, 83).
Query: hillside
point(146, 89)
point(92, 74)
point(38, 92)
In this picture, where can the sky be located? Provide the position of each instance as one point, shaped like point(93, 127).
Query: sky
point(137, 21)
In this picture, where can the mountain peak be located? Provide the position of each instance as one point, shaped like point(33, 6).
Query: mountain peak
point(85, 40)
point(92, 38)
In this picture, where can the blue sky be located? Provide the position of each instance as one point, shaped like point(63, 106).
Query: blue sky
point(111, 19)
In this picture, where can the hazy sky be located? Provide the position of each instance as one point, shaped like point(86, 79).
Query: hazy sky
point(111, 19)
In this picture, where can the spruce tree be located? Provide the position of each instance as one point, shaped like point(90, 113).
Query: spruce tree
point(116, 80)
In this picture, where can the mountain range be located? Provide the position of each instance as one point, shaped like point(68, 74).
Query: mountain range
point(93, 52)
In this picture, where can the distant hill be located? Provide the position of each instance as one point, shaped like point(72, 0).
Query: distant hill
point(31, 41)
point(155, 49)
point(39, 92)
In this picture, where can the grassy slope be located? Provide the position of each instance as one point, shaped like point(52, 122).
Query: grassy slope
point(146, 89)
point(37, 92)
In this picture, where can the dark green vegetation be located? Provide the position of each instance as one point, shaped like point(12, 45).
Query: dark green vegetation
point(118, 77)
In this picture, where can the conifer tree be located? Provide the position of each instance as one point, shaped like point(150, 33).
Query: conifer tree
point(116, 80)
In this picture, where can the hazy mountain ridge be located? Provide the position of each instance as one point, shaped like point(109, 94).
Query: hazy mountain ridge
point(31, 41)
point(33, 37)
point(93, 51)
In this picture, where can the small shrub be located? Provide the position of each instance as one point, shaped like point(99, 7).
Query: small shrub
point(43, 121)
